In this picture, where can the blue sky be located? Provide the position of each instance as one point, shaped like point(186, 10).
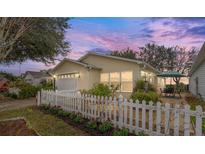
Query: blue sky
point(119, 33)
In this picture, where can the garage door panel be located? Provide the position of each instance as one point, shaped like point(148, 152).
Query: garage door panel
point(66, 84)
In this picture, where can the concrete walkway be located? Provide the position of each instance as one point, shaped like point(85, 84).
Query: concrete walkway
point(16, 104)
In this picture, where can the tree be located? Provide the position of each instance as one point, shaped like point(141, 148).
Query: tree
point(167, 58)
point(127, 53)
point(11, 29)
point(42, 41)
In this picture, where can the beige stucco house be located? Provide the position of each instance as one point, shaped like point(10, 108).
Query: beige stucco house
point(197, 75)
point(98, 68)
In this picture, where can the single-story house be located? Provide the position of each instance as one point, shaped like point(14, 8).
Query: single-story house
point(35, 78)
point(4, 85)
point(197, 75)
point(95, 68)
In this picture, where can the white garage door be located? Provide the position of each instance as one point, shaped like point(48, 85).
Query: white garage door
point(66, 84)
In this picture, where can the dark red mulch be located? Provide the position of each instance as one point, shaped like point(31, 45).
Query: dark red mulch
point(15, 128)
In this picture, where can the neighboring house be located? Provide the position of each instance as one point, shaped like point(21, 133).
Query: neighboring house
point(35, 78)
point(4, 85)
point(197, 75)
point(96, 68)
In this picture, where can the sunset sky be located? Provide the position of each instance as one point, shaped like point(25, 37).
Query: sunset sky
point(105, 34)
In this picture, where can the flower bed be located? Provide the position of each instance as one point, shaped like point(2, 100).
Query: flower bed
point(92, 127)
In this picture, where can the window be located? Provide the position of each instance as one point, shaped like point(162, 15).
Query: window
point(147, 76)
point(104, 78)
point(115, 79)
point(126, 81)
point(123, 79)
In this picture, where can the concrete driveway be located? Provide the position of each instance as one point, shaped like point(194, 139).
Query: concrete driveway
point(16, 104)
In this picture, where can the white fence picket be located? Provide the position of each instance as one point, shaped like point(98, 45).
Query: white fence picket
point(158, 121)
point(176, 120)
point(143, 115)
point(116, 110)
point(186, 120)
point(151, 117)
point(198, 120)
point(167, 120)
point(137, 117)
point(131, 115)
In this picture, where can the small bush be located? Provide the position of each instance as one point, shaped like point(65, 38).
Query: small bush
point(44, 107)
point(54, 110)
point(72, 116)
point(149, 96)
point(100, 90)
point(141, 134)
point(28, 91)
point(62, 113)
point(194, 101)
point(140, 86)
point(11, 95)
point(122, 132)
point(91, 125)
point(78, 119)
point(105, 127)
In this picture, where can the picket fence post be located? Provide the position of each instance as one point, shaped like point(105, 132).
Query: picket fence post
point(115, 111)
point(186, 120)
point(150, 116)
point(158, 121)
point(137, 116)
point(176, 120)
point(143, 115)
point(167, 120)
point(131, 115)
point(110, 108)
point(120, 111)
point(198, 120)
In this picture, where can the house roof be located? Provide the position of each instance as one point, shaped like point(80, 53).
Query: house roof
point(76, 62)
point(119, 58)
point(199, 60)
point(37, 74)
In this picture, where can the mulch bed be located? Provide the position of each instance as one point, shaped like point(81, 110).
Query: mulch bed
point(82, 126)
point(15, 128)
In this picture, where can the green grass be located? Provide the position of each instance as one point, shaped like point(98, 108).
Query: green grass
point(44, 124)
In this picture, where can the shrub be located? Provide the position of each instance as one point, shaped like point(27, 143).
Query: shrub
point(62, 113)
point(141, 134)
point(149, 96)
point(11, 95)
point(46, 85)
point(105, 127)
point(140, 85)
point(122, 132)
point(91, 125)
point(44, 107)
point(100, 90)
point(78, 119)
point(194, 101)
point(28, 91)
point(54, 110)
point(72, 116)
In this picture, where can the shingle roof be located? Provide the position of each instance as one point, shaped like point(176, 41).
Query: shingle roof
point(38, 74)
point(76, 62)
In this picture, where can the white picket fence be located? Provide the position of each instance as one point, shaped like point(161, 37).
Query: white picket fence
point(152, 119)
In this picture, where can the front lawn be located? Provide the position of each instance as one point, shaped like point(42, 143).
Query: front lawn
point(44, 124)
